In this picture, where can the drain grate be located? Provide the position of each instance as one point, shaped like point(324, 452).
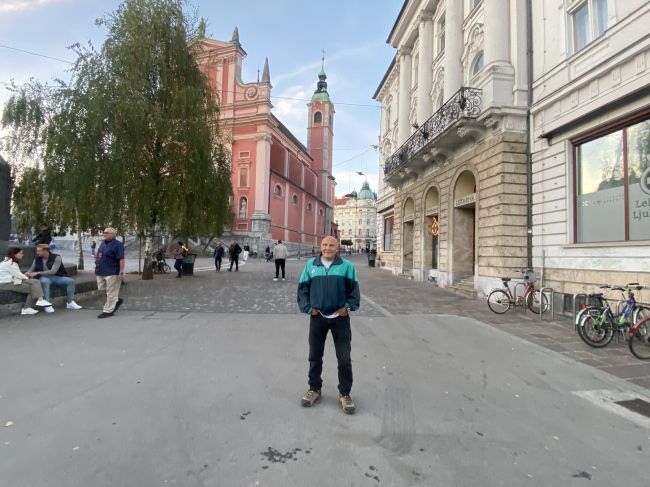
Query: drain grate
point(637, 405)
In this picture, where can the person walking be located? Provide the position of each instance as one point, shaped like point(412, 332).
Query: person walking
point(280, 257)
point(218, 255)
point(179, 253)
point(48, 268)
point(234, 250)
point(11, 279)
point(93, 248)
point(327, 291)
point(247, 251)
point(109, 271)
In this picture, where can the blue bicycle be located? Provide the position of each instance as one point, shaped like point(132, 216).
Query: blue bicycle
point(598, 324)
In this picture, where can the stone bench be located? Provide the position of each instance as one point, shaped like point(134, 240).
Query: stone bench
point(11, 297)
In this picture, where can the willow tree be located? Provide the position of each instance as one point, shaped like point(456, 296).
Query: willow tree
point(165, 146)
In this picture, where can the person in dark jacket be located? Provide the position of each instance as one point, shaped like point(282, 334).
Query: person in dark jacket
point(328, 290)
point(48, 268)
point(234, 250)
point(218, 255)
point(44, 235)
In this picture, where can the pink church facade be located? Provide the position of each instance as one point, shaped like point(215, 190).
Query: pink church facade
point(282, 189)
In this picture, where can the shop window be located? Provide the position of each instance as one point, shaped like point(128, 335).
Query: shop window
point(613, 186)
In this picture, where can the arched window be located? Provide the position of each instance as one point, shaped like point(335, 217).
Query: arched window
point(320, 212)
point(478, 63)
point(308, 206)
point(278, 190)
point(318, 117)
point(294, 199)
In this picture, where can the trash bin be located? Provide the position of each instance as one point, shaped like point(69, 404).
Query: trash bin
point(372, 256)
point(188, 264)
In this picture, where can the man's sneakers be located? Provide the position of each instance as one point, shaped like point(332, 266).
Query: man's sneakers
point(118, 304)
point(43, 302)
point(49, 309)
point(71, 305)
point(347, 405)
point(275, 279)
point(310, 398)
point(283, 279)
point(28, 311)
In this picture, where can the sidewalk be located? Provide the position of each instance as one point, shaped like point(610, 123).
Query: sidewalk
point(401, 296)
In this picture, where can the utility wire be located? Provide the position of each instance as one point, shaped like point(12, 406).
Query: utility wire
point(351, 158)
point(225, 91)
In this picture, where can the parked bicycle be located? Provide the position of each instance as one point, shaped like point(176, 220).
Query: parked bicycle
point(502, 300)
point(639, 338)
point(598, 325)
point(159, 265)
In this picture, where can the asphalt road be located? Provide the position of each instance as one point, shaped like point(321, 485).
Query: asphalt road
point(197, 382)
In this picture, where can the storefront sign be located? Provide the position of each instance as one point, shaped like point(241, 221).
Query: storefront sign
point(468, 200)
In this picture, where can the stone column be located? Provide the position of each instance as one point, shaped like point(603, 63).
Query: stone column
point(496, 28)
point(425, 73)
point(405, 68)
point(453, 48)
point(261, 220)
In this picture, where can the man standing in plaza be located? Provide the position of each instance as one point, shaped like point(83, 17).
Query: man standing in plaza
point(328, 290)
point(48, 268)
point(233, 251)
point(280, 257)
point(109, 271)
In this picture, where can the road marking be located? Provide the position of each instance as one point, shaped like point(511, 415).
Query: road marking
point(381, 309)
point(606, 399)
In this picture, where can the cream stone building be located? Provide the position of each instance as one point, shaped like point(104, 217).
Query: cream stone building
point(453, 202)
point(591, 144)
point(356, 217)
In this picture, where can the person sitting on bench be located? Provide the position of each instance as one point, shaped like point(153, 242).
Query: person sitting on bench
point(11, 279)
point(48, 268)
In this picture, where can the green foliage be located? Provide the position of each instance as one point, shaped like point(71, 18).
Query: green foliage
point(28, 197)
point(346, 242)
point(133, 140)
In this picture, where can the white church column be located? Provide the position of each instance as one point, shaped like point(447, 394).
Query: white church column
point(425, 73)
point(261, 219)
point(405, 68)
point(453, 47)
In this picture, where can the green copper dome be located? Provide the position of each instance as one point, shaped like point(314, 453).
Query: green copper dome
point(366, 193)
point(321, 93)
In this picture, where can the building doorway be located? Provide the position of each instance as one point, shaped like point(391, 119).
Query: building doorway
point(431, 229)
point(407, 235)
point(464, 223)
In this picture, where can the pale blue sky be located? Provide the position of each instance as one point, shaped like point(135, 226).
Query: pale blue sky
point(291, 33)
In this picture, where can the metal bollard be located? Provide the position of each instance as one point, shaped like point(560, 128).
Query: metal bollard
point(548, 290)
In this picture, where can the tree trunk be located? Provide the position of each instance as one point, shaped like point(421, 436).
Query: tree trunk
point(147, 271)
point(80, 250)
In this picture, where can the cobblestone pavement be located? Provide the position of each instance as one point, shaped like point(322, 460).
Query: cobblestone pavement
point(252, 290)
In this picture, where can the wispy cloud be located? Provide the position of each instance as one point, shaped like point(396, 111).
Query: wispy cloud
point(11, 6)
point(361, 50)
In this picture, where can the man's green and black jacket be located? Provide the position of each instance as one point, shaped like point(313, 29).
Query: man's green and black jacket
point(328, 289)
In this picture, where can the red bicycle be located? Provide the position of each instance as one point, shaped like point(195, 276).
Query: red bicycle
point(639, 339)
point(502, 300)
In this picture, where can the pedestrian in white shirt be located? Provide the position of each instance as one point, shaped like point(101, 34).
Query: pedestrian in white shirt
point(11, 279)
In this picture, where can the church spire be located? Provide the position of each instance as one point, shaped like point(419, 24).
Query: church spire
point(235, 37)
point(321, 93)
point(266, 75)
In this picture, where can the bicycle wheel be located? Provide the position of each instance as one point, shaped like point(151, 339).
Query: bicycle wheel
point(498, 301)
point(166, 268)
point(640, 313)
point(154, 267)
point(596, 330)
point(640, 343)
point(537, 302)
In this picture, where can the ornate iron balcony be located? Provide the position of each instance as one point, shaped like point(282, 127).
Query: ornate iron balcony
point(466, 102)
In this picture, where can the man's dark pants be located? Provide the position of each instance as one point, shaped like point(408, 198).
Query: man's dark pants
point(178, 265)
point(279, 264)
point(342, 335)
point(235, 260)
point(217, 263)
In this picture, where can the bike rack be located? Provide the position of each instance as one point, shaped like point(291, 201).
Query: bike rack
point(575, 310)
point(514, 292)
point(548, 290)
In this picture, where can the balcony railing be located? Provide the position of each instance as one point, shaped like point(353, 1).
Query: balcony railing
point(466, 102)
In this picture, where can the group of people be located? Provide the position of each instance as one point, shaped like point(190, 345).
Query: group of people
point(234, 251)
point(47, 270)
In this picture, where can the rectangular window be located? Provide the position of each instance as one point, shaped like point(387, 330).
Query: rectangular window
point(243, 176)
point(588, 21)
point(441, 35)
point(388, 233)
point(613, 186)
